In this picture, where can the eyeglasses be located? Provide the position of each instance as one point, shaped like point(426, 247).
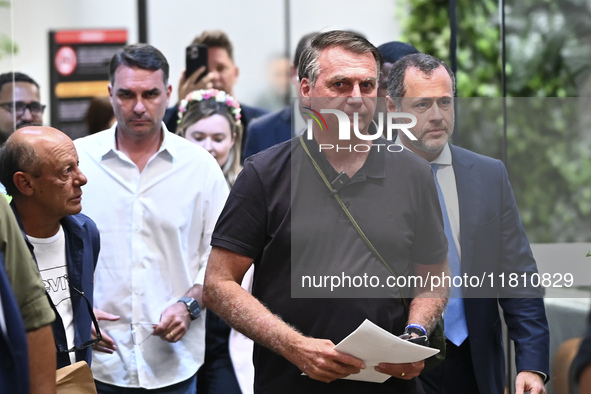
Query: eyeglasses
point(64, 349)
point(19, 107)
point(139, 332)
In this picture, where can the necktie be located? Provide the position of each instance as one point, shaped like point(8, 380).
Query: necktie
point(454, 317)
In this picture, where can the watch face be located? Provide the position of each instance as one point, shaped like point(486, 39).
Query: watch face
point(192, 307)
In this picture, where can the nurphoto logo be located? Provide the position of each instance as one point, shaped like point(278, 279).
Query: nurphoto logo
point(345, 127)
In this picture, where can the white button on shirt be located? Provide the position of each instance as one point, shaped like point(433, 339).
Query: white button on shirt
point(155, 231)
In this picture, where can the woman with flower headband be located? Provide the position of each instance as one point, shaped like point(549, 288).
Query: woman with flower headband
point(211, 118)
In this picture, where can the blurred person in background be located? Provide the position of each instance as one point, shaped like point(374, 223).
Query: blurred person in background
point(391, 52)
point(278, 90)
point(279, 126)
point(20, 103)
point(100, 115)
point(222, 75)
point(581, 365)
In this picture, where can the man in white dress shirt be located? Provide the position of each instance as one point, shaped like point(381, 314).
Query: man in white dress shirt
point(155, 198)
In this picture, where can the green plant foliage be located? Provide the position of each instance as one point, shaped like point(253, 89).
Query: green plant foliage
point(7, 46)
point(478, 53)
point(548, 50)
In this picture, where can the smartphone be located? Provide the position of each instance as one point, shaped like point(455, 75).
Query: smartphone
point(422, 340)
point(195, 57)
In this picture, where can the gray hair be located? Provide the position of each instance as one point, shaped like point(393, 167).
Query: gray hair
point(15, 157)
point(309, 66)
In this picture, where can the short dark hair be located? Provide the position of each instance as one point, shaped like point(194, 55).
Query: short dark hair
point(354, 42)
point(16, 77)
point(14, 157)
point(303, 43)
point(421, 61)
point(215, 39)
point(395, 50)
point(142, 56)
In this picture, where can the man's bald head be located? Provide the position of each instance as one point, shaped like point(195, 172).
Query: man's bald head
point(26, 150)
point(39, 168)
point(41, 138)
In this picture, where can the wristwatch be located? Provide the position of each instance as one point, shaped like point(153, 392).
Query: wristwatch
point(192, 307)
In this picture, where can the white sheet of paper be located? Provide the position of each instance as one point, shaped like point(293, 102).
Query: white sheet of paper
point(374, 345)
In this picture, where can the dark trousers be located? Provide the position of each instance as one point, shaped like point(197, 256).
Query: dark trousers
point(455, 375)
point(217, 375)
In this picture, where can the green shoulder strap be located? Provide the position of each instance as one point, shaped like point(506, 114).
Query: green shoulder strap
point(346, 210)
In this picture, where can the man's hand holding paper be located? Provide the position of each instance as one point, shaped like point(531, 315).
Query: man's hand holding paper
point(384, 354)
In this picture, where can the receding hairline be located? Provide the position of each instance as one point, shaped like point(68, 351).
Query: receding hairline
point(349, 41)
point(426, 75)
point(356, 51)
point(340, 76)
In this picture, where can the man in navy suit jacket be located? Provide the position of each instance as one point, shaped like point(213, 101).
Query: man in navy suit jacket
point(486, 229)
point(268, 130)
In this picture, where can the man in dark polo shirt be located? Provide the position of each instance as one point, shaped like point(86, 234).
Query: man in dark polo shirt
point(282, 218)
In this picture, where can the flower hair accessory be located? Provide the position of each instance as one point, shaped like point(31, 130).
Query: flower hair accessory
point(218, 95)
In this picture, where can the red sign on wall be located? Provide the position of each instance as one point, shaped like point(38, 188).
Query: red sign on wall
point(79, 71)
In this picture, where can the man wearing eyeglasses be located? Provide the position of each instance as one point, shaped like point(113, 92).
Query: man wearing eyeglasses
point(19, 103)
point(39, 167)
